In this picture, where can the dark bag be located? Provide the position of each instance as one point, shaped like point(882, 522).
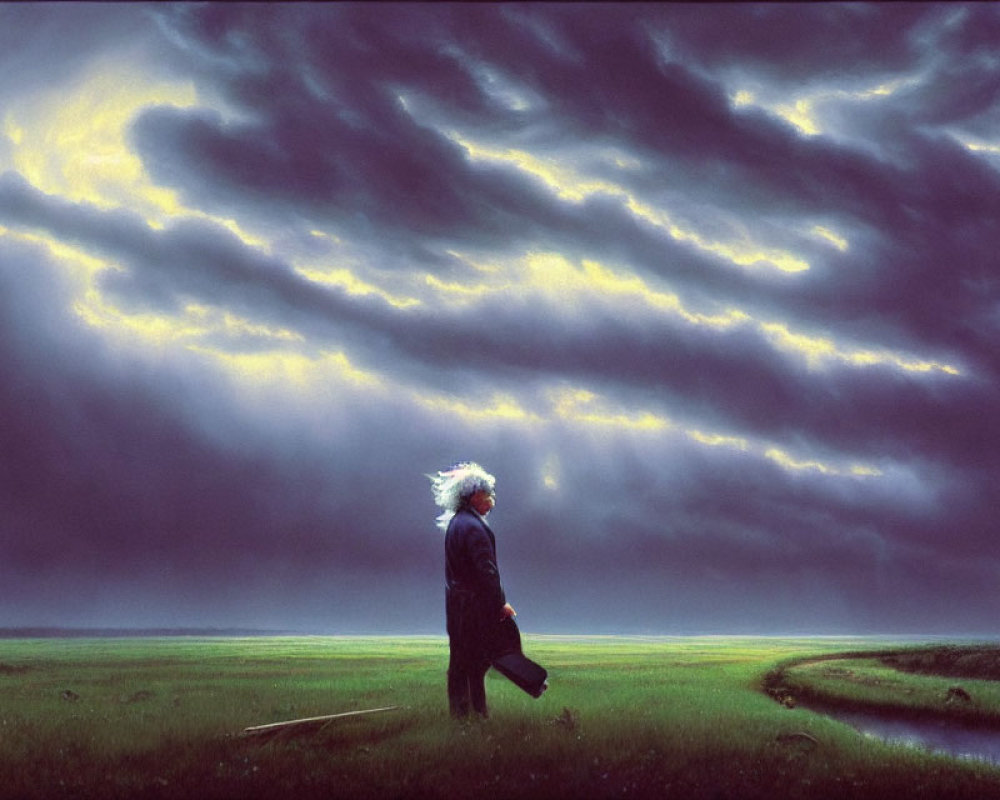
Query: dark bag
point(509, 660)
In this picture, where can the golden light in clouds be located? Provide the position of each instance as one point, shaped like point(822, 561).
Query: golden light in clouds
point(586, 407)
point(570, 185)
point(830, 236)
point(352, 284)
point(803, 110)
point(819, 351)
point(290, 368)
point(73, 142)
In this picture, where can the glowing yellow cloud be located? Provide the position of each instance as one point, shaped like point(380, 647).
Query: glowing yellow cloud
point(353, 285)
point(318, 234)
point(487, 279)
point(980, 147)
point(72, 141)
point(155, 329)
point(586, 409)
point(833, 238)
point(743, 254)
point(561, 179)
point(783, 459)
point(288, 367)
point(801, 111)
point(604, 281)
point(563, 283)
point(501, 408)
point(194, 324)
point(717, 440)
point(239, 326)
point(799, 114)
point(568, 184)
point(477, 265)
point(285, 368)
point(13, 131)
point(583, 406)
point(550, 473)
point(864, 471)
point(779, 456)
point(460, 290)
point(812, 348)
point(80, 263)
point(817, 350)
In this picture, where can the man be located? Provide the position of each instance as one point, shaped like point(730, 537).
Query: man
point(475, 604)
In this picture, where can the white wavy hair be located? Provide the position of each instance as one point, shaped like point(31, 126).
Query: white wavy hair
point(454, 486)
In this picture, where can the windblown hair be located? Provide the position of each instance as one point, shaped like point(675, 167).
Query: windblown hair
point(454, 486)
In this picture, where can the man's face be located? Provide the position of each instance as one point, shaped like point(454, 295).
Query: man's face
point(482, 501)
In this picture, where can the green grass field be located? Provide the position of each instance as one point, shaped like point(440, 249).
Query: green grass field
point(624, 717)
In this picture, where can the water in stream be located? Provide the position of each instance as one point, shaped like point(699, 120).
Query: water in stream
point(940, 736)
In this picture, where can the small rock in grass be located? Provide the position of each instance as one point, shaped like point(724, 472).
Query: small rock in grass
point(957, 694)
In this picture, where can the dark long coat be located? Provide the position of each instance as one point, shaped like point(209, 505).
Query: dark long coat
point(474, 597)
point(474, 601)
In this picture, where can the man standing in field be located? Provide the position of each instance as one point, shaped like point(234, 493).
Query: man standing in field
point(479, 618)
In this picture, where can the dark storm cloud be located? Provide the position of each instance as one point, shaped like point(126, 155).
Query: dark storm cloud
point(791, 42)
point(965, 85)
point(356, 148)
point(731, 375)
point(190, 260)
point(328, 133)
point(376, 164)
point(109, 478)
point(356, 120)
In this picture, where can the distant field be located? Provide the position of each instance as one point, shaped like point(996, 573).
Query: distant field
point(624, 717)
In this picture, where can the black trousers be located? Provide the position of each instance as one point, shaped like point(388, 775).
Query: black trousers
point(470, 654)
point(478, 640)
point(467, 668)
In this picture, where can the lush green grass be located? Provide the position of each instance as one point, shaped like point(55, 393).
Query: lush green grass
point(951, 682)
point(623, 718)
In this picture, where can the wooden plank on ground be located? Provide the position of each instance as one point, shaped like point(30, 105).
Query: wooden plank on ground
point(291, 723)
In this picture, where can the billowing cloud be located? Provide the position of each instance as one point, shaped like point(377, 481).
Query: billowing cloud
point(710, 290)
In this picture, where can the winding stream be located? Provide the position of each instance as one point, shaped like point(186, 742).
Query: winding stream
point(939, 736)
point(946, 736)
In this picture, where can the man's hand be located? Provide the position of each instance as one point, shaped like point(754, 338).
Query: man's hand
point(508, 611)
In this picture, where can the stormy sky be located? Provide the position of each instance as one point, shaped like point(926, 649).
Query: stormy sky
point(713, 290)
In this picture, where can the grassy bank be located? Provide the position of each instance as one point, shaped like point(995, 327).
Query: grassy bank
point(160, 718)
point(950, 682)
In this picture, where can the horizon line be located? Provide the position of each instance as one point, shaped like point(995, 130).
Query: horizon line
point(100, 632)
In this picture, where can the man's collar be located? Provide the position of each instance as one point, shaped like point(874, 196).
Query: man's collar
point(480, 517)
